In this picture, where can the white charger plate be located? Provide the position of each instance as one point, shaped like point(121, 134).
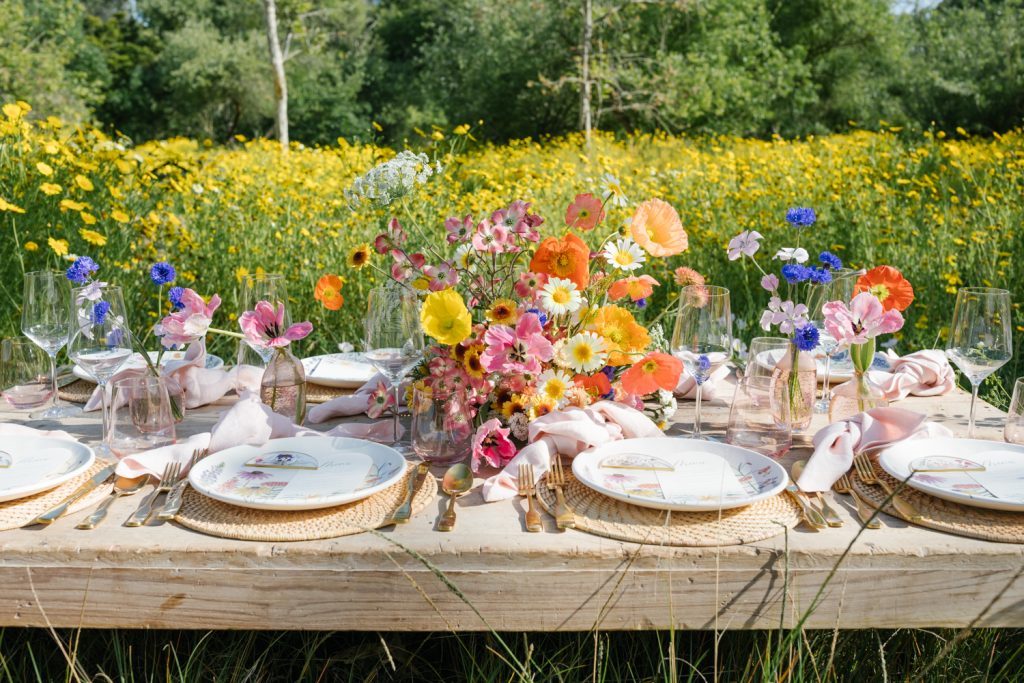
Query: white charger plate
point(39, 463)
point(999, 487)
point(840, 371)
point(680, 474)
point(342, 370)
point(275, 476)
point(136, 362)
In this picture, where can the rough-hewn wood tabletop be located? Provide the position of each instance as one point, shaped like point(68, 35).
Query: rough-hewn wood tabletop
point(165, 576)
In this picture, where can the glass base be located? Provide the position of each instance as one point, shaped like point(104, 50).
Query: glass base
point(56, 412)
point(821, 406)
point(103, 452)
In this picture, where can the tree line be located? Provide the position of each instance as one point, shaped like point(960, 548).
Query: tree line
point(393, 68)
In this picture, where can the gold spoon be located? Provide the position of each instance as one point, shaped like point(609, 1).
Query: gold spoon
point(457, 481)
point(122, 487)
point(831, 518)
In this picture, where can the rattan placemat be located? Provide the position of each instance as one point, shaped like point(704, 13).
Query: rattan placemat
point(17, 513)
point(603, 516)
point(944, 515)
point(230, 521)
point(318, 393)
point(78, 391)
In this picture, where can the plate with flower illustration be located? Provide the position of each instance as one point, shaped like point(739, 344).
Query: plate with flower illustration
point(39, 463)
point(342, 370)
point(137, 362)
point(987, 474)
point(298, 473)
point(680, 474)
point(840, 370)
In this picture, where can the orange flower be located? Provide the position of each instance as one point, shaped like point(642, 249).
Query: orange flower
point(635, 287)
point(655, 371)
point(888, 285)
point(585, 212)
point(687, 276)
point(568, 257)
point(622, 333)
point(328, 292)
point(656, 227)
point(597, 385)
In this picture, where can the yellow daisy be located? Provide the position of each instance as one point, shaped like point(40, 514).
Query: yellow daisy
point(93, 237)
point(359, 256)
point(50, 188)
point(503, 312)
point(60, 247)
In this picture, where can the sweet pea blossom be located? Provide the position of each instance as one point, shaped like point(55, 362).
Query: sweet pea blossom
point(518, 350)
point(863, 319)
point(492, 445)
point(786, 314)
point(744, 243)
point(188, 323)
point(264, 327)
point(798, 254)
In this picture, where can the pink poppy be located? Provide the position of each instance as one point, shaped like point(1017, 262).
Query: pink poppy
point(491, 444)
point(863, 319)
point(189, 323)
point(585, 212)
point(517, 350)
point(264, 327)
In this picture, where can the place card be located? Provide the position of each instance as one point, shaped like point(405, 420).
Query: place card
point(284, 460)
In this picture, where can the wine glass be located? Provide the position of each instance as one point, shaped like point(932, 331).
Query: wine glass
point(100, 340)
point(268, 287)
point(24, 374)
point(841, 288)
point(140, 415)
point(980, 338)
point(44, 320)
point(702, 337)
point(394, 339)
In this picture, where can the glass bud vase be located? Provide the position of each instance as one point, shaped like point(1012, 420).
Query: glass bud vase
point(860, 393)
point(795, 381)
point(283, 387)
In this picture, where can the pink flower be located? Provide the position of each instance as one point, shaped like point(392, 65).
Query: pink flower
point(529, 284)
point(744, 243)
point(490, 237)
point(787, 315)
point(491, 443)
point(442, 276)
point(518, 220)
point(380, 399)
point(392, 239)
point(687, 276)
point(864, 319)
point(520, 350)
point(264, 327)
point(459, 231)
point(189, 323)
point(405, 266)
point(585, 212)
point(770, 282)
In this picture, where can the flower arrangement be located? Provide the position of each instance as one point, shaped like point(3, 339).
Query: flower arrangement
point(283, 385)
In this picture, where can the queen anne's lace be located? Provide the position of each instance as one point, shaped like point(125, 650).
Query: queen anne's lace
point(393, 179)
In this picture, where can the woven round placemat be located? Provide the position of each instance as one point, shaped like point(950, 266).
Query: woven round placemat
point(603, 516)
point(17, 513)
point(944, 515)
point(78, 391)
point(318, 393)
point(213, 517)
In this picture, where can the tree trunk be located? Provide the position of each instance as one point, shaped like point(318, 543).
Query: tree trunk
point(280, 84)
point(588, 34)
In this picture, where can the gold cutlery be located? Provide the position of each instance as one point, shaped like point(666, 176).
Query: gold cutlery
point(832, 518)
point(811, 517)
point(173, 502)
point(458, 480)
point(866, 471)
point(122, 487)
point(145, 509)
point(56, 511)
point(528, 487)
point(864, 511)
point(404, 511)
point(564, 517)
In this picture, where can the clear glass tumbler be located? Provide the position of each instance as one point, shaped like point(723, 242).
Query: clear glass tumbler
point(759, 418)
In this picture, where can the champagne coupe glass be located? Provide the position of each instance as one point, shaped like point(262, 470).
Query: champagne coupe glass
point(394, 339)
point(702, 337)
point(140, 415)
point(24, 374)
point(100, 341)
point(268, 287)
point(44, 320)
point(844, 281)
point(980, 338)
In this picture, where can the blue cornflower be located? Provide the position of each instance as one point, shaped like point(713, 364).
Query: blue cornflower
point(99, 312)
point(540, 315)
point(806, 337)
point(609, 372)
point(81, 270)
point(801, 217)
point(819, 276)
point(703, 368)
point(830, 260)
point(174, 294)
point(640, 303)
point(162, 273)
point(794, 272)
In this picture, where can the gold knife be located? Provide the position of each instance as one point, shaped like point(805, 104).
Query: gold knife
point(404, 511)
point(53, 513)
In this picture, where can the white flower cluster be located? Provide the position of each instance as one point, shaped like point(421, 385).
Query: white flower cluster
point(393, 179)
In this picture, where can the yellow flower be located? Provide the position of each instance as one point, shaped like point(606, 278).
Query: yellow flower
point(60, 247)
point(621, 333)
point(359, 256)
point(503, 312)
point(241, 272)
point(7, 206)
point(71, 205)
point(123, 166)
point(44, 168)
point(50, 188)
point(471, 361)
point(445, 318)
point(87, 218)
point(84, 183)
point(31, 246)
point(92, 237)
point(541, 405)
point(12, 111)
point(461, 129)
point(119, 216)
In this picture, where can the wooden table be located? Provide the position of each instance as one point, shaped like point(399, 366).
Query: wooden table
point(165, 576)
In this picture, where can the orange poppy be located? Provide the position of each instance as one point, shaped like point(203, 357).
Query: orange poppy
point(585, 212)
point(654, 371)
point(889, 286)
point(568, 257)
point(635, 287)
point(657, 229)
point(597, 385)
point(622, 334)
point(328, 292)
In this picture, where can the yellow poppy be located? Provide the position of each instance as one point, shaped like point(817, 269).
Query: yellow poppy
point(445, 318)
point(622, 334)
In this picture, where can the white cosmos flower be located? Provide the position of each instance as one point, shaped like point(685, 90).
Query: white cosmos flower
point(552, 384)
point(560, 296)
point(624, 254)
point(585, 352)
point(799, 255)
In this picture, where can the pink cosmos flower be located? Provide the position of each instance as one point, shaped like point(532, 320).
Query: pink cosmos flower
point(770, 282)
point(519, 350)
point(442, 276)
point(529, 284)
point(585, 212)
point(744, 243)
point(459, 231)
point(394, 238)
point(380, 399)
point(492, 445)
point(264, 327)
point(406, 266)
point(864, 319)
point(189, 323)
point(490, 237)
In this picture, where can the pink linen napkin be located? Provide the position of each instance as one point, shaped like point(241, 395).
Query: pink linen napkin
point(687, 387)
point(922, 373)
point(569, 432)
point(353, 404)
point(835, 444)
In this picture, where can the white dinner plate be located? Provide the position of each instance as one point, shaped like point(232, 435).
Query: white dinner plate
point(136, 362)
point(299, 473)
point(344, 370)
point(680, 474)
point(986, 474)
point(39, 463)
point(841, 370)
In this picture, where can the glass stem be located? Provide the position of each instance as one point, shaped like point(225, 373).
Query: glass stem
point(696, 418)
point(394, 412)
point(55, 402)
point(974, 398)
point(104, 403)
point(828, 373)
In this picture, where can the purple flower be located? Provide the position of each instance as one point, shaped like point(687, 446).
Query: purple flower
point(174, 294)
point(830, 260)
point(794, 272)
point(801, 217)
point(806, 337)
point(744, 243)
point(819, 276)
point(640, 303)
point(99, 312)
point(162, 273)
point(81, 270)
point(770, 282)
point(703, 366)
point(540, 315)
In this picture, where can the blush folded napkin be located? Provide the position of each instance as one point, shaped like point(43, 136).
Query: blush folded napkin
point(835, 444)
point(352, 404)
point(569, 432)
point(922, 373)
point(687, 387)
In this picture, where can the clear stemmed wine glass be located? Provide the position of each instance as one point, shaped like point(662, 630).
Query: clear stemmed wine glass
point(702, 337)
point(844, 282)
point(268, 287)
point(44, 320)
point(394, 339)
point(980, 338)
point(100, 341)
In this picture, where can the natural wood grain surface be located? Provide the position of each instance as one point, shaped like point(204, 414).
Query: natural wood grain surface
point(164, 576)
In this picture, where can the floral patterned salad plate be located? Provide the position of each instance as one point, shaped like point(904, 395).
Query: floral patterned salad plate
point(342, 370)
point(987, 474)
point(136, 362)
point(680, 474)
point(31, 464)
point(299, 473)
point(840, 370)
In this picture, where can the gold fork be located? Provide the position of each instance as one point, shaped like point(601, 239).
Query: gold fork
point(528, 487)
point(167, 481)
point(564, 517)
point(843, 485)
point(866, 471)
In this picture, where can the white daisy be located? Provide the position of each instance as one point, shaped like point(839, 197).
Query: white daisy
point(624, 254)
point(613, 192)
point(553, 385)
point(464, 256)
point(560, 296)
point(585, 352)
